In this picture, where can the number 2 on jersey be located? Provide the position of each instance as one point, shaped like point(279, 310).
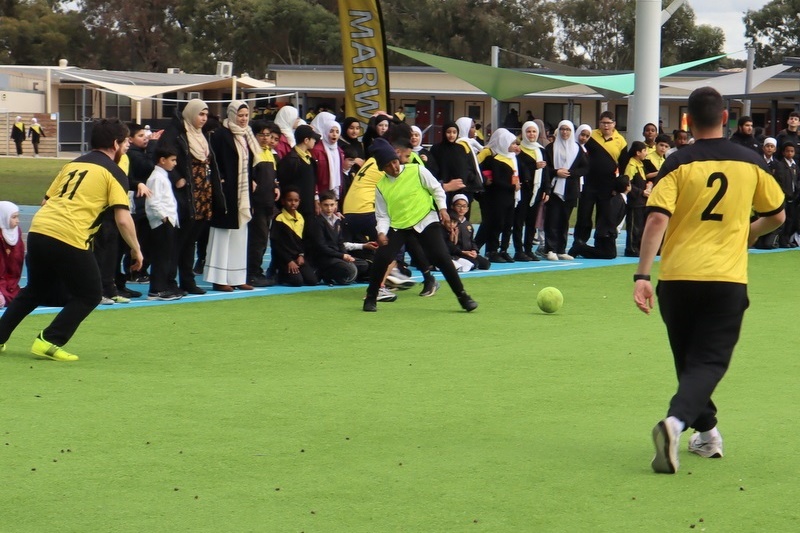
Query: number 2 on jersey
point(77, 183)
point(723, 188)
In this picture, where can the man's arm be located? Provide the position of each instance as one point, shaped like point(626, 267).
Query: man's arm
point(122, 216)
point(764, 225)
point(653, 235)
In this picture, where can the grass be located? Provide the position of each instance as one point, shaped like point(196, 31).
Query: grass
point(302, 413)
point(24, 180)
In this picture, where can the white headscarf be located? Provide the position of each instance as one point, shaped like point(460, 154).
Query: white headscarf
point(10, 235)
point(246, 143)
point(537, 149)
point(564, 153)
point(323, 123)
point(500, 142)
point(582, 128)
point(464, 125)
point(285, 119)
point(418, 131)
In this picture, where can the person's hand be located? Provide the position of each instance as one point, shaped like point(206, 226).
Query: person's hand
point(541, 164)
point(471, 253)
point(372, 245)
point(444, 217)
point(453, 185)
point(136, 259)
point(293, 268)
point(254, 186)
point(643, 295)
point(646, 192)
point(180, 184)
point(562, 173)
point(317, 208)
point(349, 258)
point(2, 300)
point(424, 158)
point(143, 190)
point(545, 198)
point(277, 194)
point(300, 260)
point(383, 240)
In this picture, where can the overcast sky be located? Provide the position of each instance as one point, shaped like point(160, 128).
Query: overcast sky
point(726, 14)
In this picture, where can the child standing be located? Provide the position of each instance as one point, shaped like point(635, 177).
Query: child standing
point(162, 213)
point(637, 198)
point(12, 252)
point(286, 237)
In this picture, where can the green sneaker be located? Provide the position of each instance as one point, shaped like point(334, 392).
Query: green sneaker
point(42, 348)
point(2, 348)
point(120, 299)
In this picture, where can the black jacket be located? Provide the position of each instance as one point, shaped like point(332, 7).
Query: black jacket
point(578, 168)
point(293, 171)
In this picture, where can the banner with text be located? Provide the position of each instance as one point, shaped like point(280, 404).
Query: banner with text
point(366, 73)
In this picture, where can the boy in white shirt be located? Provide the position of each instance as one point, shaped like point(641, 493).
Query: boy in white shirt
point(162, 214)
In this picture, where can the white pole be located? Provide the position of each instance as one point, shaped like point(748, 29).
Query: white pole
point(494, 103)
point(647, 62)
point(748, 79)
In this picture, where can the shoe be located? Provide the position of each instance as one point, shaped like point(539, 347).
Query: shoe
point(430, 287)
point(666, 440)
point(2, 348)
point(244, 287)
point(198, 266)
point(551, 256)
point(565, 257)
point(629, 253)
point(42, 348)
point(128, 293)
point(467, 303)
point(404, 270)
point(371, 304)
point(522, 257)
point(164, 296)
point(533, 256)
point(120, 299)
point(222, 288)
point(261, 281)
point(139, 279)
point(397, 280)
point(193, 290)
point(712, 448)
point(106, 301)
point(495, 257)
point(385, 295)
point(507, 257)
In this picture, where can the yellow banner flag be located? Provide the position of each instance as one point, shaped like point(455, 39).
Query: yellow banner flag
point(366, 74)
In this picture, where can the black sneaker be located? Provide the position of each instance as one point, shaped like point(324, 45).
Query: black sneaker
point(128, 293)
point(467, 303)
point(507, 257)
point(494, 257)
point(140, 279)
point(192, 290)
point(261, 281)
point(522, 257)
point(370, 304)
point(198, 266)
point(163, 296)
point(429, 287)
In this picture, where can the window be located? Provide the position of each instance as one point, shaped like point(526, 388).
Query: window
point(69, 105)
point(168, 108)
point(621, 114)
point(118, 106)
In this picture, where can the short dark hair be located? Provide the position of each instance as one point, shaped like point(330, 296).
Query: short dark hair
point(649, 124)
point(663, 138)
point(607, 114)
point(453, 214)
point(106, 131)
point(636, 146)
point(787, 144)
point(258, 126)
point(327, 195)
point(350, 151)
point(273, 128)
point(290, 188)
point(165, 152)
point(134, 128)
point(744, 120)
point(706, 107)
point(794, 114)
point(402, 142)
point(401, 130)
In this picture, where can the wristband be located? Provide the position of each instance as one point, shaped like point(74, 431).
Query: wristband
point(645, 277)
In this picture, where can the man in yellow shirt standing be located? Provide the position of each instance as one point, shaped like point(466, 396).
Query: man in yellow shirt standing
point(59, 259)
point(702, 201)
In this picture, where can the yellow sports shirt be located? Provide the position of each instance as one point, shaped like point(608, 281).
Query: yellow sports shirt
point(708, 189)
point(360, 196)
point(77, 198)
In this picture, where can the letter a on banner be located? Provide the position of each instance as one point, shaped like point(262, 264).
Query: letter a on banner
point(366, 74)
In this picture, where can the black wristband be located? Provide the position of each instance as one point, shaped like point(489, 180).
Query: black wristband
point(645, 277)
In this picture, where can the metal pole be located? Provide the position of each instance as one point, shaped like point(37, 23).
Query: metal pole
point(647, 61)
point(748, 79)
point(495, 105)
point(83, 118)
point(432, 136)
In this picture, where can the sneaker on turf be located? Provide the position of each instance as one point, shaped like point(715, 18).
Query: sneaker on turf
point(120, 299)
point(42, 348)
point(164, 296)
point(106, 301)
point(712, 448)
point(398, 280)
point(666, 439)
point(467, 303)
point(430, 287)
point(565, 257)
point(551, 256)
point(385, 295)
point(2, 348)
point(370, 305)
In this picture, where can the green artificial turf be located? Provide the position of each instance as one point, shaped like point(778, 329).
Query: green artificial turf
point(302, 413)
point(24, 180)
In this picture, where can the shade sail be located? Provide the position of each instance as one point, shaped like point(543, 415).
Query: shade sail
point(732, 83)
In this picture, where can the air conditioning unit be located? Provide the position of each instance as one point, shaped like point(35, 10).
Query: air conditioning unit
point(225, 69)
point(193, 95)
point(173, 70)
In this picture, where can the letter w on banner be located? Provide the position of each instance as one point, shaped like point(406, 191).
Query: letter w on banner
point(366, 73)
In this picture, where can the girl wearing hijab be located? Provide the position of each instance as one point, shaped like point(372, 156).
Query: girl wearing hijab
point(419, 154)
point(532, 173)
point(191, 182)
point(500, 195)
point(542, 133)
point(329, 156)
point(36, 133)
point(378, 126)
point(567, 164)
point(287, 119)
point(452, 162)
point(12, 252)
point(18, 134)
point(237, 152)
point(351, 131)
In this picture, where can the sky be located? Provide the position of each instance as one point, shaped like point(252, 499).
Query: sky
point(726, 14)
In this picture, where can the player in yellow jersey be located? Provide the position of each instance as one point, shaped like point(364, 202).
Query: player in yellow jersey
point(59, 260)
point(701, 209)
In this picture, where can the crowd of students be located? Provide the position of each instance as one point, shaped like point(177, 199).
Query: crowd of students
point(222, 192)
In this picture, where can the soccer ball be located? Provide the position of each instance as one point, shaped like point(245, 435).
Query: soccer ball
point(550, 299)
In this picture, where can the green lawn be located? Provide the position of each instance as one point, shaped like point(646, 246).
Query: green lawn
point(302, 413)
point(24, 180)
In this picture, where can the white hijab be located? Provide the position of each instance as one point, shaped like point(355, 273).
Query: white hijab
point(581, 129)
point(564, 153)
point(500, 142)
point(285, 119)
point(323, 123)
point(10, 235)
point(536, 148)
point(464, 124)
point(418, 147)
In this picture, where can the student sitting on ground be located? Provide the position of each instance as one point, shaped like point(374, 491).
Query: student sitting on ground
point(288, 249)
point(605, 234)
point(465, 242)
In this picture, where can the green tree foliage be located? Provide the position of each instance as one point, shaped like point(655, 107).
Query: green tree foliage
point(774, 31)
point(36, 33)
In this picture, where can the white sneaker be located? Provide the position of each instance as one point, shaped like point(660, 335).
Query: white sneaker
point(385, 295)
point(106, 301)
point(397, 280)
point(551, 256)
point(666, 439)
point(565, 257)
point(712, 448)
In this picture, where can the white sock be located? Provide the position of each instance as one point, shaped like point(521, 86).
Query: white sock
point(676, 423)
point(707, 436)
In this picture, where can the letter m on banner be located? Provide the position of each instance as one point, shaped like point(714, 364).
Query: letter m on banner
point(366, 74)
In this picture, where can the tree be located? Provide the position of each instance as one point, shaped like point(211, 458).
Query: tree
point(39, 34)
point(774, 31)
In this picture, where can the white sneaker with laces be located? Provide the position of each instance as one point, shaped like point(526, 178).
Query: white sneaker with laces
point(385, 295)
point(106, 301)
point(551, 256)
point(398, 280)
point(565, 257)
point(712, 448)
point(666, 438)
